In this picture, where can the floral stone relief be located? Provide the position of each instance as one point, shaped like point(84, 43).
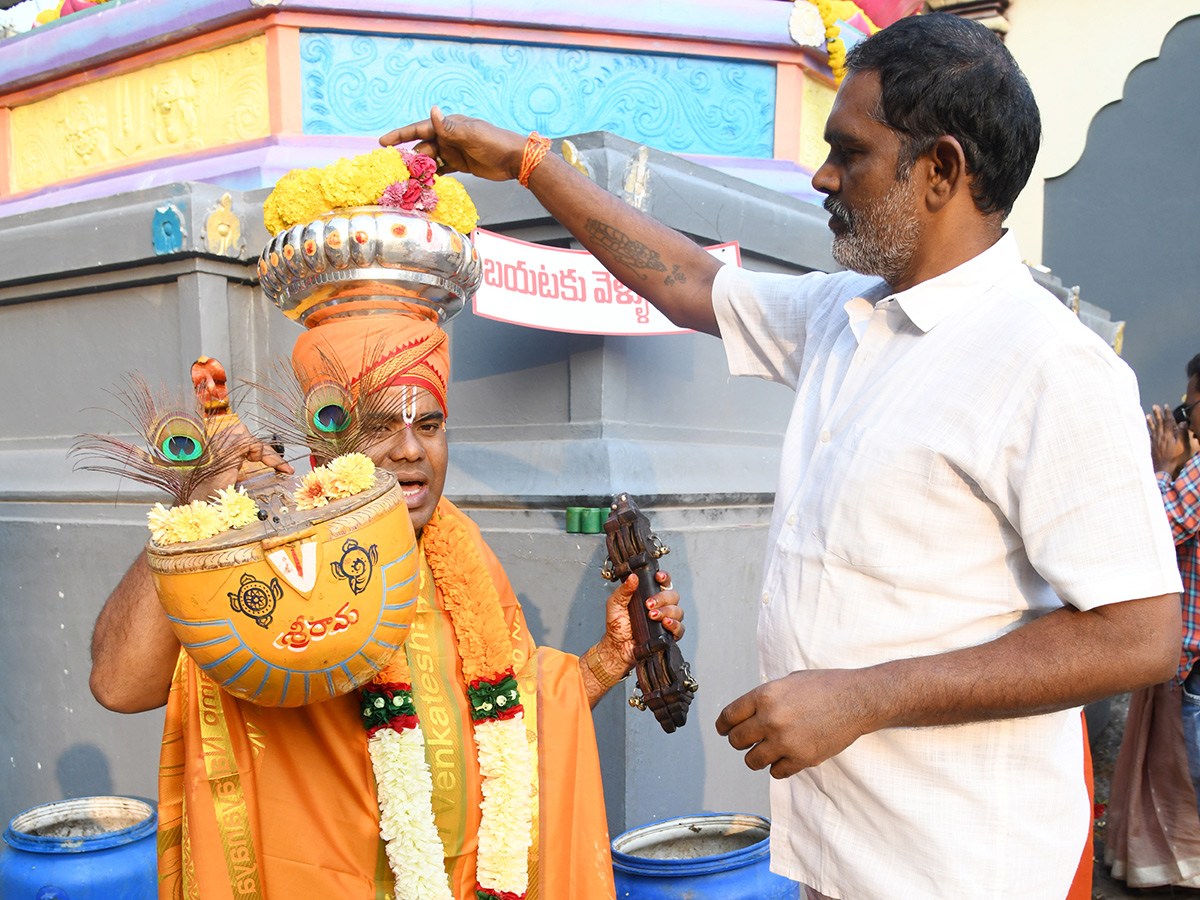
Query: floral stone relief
point(367, 84)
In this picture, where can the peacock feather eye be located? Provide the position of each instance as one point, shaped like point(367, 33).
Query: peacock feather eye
point(179, 437)
point(328, 408)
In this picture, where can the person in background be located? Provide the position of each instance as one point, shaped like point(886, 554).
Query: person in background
point(1153, 834)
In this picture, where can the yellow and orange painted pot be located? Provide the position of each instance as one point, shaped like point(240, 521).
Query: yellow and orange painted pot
point(301, 607)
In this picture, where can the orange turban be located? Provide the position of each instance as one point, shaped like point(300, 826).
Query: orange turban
point(384, 349)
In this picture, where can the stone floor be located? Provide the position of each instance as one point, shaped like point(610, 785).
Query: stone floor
point(1104, 758)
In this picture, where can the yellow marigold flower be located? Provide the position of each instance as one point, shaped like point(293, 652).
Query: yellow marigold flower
point(311, 492)
point(350, 474)
point(162, 527)
point(236, 508)
point(195, 521)
point(303, 194)
point(454, 205)
point(382, 167)
point(341, 184)
point(296, 198)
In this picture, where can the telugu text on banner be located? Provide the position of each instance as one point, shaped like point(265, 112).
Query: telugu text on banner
point(565, 290)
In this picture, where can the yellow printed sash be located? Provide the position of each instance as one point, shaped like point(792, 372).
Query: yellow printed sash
point(229, 801)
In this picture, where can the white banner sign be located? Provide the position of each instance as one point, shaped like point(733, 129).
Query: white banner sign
point(565, 290)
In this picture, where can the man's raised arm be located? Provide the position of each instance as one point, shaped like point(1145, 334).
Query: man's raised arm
point(655, 261)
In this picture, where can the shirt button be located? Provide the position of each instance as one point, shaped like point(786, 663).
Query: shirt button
point(766, 598)
point(792, 519)
point(825, 436)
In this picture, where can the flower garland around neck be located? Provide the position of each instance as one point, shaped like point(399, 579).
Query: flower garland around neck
point(397, 746)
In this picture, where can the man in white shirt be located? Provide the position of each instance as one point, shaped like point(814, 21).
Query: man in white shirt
point(967, 542)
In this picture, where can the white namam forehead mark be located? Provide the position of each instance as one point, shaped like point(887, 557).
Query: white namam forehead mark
point(407, 404)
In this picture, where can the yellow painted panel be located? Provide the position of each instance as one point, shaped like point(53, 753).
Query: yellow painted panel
point(196, 102)
point(816, 100)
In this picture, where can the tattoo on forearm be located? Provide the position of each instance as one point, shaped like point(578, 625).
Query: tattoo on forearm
point(677, 276)
point(632, 254)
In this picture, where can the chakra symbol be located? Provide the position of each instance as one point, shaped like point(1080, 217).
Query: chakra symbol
point(361, 237)
point(356, 565)
point(333, 239)
point(288, 252)
point(310, 246)
point(399, 230)
point(256, 599)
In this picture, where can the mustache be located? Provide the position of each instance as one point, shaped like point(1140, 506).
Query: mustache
point(839, 210)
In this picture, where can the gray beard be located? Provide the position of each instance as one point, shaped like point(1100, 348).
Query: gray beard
point(880, 239)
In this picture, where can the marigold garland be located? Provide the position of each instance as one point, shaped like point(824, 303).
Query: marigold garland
point(384, 176)
point(503, 753)
point(831, 12)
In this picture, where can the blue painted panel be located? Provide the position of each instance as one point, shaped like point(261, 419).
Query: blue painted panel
point(370, 84)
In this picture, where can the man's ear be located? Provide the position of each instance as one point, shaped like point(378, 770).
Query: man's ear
point(947, 172)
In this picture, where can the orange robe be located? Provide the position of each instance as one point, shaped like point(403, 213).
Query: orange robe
point(259, 802)
point(1081, 887)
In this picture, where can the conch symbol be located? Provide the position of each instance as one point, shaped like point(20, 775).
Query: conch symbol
point(356, 565)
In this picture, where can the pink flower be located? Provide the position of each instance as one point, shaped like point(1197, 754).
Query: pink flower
point(412, 194)
point(392, 194)
point(420, 167)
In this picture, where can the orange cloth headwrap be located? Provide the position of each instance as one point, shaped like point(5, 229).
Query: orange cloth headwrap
point(382, 350)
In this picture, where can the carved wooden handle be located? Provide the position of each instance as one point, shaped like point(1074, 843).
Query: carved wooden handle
point(664, 677)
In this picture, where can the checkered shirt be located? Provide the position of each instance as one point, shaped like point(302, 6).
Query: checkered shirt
point(1182, 501)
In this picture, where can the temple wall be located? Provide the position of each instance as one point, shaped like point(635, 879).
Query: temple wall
point(132, 94)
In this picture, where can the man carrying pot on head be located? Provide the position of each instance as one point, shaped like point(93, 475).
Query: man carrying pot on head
point(950, 573)
point(272, 802)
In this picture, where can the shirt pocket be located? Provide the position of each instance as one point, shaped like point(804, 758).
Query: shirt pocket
point(873, 508)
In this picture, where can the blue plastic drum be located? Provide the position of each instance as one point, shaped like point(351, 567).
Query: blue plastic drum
point(726, 856)
point(87, 848)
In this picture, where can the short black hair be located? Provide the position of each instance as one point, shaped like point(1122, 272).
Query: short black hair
point(1193, 367)
point(943, 75)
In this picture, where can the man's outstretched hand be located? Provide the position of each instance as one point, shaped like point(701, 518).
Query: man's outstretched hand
point(463, 144)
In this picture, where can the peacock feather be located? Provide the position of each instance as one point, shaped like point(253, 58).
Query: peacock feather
point(337, 413)
point(181, 446)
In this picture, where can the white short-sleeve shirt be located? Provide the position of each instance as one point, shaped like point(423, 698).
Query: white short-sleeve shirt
point(962, 457)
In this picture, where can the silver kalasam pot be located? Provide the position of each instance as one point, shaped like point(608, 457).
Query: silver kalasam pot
point(368, 257)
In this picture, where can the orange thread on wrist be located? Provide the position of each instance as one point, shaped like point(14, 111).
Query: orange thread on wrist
point(534, 152)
